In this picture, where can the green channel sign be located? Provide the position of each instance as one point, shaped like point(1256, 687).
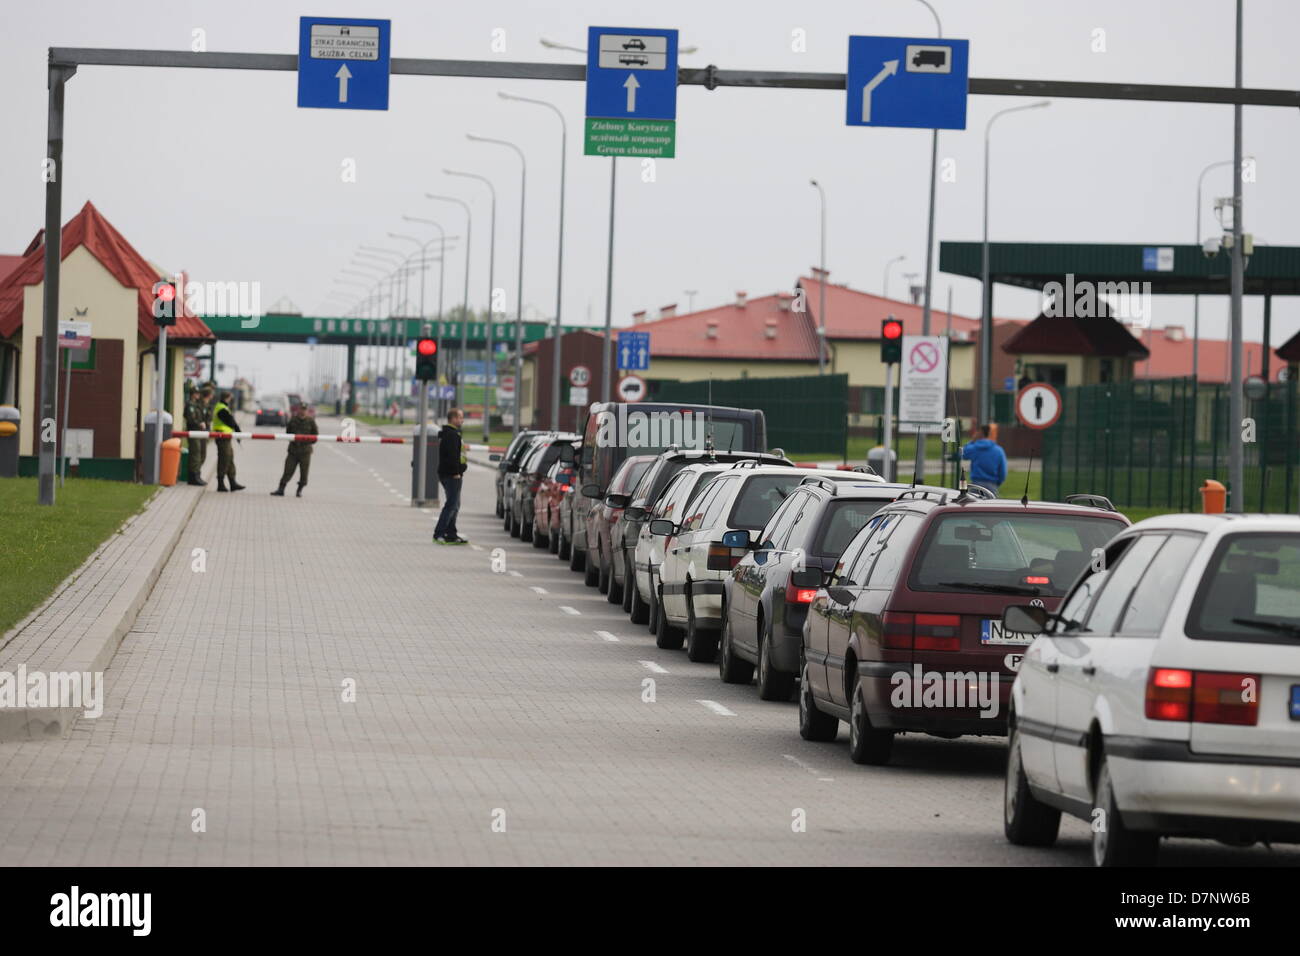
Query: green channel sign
point(656, 139)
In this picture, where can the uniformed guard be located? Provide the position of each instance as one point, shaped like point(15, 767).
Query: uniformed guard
point(198, 419)
point(223, 422)
point(298, 454)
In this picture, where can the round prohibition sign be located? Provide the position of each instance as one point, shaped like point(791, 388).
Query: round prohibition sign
point(1038, 405)
point(924, 357)
point(579, 375)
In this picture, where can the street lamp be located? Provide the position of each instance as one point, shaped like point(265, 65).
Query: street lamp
point(986, 292)
point(934, 167)
point(492, 255)
point(888, 264)
point(556, 364)
point(519, 306)
point(821, 308)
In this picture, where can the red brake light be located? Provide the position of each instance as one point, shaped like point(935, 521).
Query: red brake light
point(1037, 579)
point(1169, 694)
point(897, 631)
point(566, 487)
point(937, 632)
point(723, 559)
point(1219, 698)
point(794, 595)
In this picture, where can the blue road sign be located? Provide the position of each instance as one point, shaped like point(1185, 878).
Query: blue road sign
point(1009, 383)
point(634, 351)
point(631, 73)
point(343, 64)
point(905, 81)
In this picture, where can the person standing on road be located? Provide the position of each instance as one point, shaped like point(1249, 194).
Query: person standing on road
point(223, 422)
point(298, 454)
point(452, 464)
point(988, 462)
point(196, 420)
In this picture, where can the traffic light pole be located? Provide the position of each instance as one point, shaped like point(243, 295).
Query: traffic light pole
point(890, 471)
point(159, 385)
point(422, 441)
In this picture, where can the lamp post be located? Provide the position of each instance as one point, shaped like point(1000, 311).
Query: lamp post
point(387, 334)
point(1236, 453)
point(556, 364)
point(464, 309)
point(519, 292)
point(1196, 299)
point(891, 262)
point(821, 285)
point(986, 292)
point(492, 256)
point(934, 167)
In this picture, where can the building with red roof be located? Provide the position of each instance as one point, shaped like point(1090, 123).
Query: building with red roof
point(104, 281)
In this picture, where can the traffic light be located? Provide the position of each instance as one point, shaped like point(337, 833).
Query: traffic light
point(891, 341)
point(426, 360)
point(164, 302)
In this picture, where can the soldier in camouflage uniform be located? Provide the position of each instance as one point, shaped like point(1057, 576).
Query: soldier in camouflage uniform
point(298, 454)
point(198, 411)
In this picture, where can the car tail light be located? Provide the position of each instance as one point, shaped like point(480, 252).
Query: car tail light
point(794, 595)
point(898, 630)
point(1202, 697)
point(723, 559)
point(937, 632)
point(1037, 579)
point(1220, 698)
point(566, 487)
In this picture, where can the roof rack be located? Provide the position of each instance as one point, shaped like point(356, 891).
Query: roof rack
point(746, 463)
point(940, 496)
point(973, 490)
point(1090, 501)
point(822, 482)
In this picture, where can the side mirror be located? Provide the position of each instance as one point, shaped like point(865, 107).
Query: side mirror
point(664, 527)
point(807, 578)
point(840, 595)
point(1025, 619)
point(494, 457)
point(735, 539)
point(617, 501)
point(591, 490)
point(634, 514)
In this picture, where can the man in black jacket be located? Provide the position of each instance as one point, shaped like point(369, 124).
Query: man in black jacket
point(451, 466)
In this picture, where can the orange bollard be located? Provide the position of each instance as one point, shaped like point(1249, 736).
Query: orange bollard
point(1214, 497)
point(169, 462)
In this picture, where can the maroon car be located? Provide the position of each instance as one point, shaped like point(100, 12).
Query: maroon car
point(906, 635)
point(603, 516)
point(546, 505)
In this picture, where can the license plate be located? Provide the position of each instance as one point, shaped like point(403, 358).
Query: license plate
point(992, 632)
point(1295, 701)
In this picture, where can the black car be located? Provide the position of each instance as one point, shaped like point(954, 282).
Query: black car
point(764, 608)
point(508, 463)
point(542, 454)
point(637, 510)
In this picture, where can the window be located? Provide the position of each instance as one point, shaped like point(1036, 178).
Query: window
point(697, 508)
point(892, 551)
point(668, 501)
point(761, 496)
point(806, 524)
point(843, 520)
point(1250, 592)
point(1149, 603)
point(1121, 583)
point(856, 570)
point(718, 504)
point(774, 534)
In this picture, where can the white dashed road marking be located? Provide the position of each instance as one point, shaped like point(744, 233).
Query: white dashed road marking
point(717, 708)
point(605, 635)
point(539, 590)
point(570, 610)
point(652, 666)
point(803, 766)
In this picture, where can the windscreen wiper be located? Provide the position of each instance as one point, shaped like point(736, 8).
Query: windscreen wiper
point(991, 588)
point(1292, 630)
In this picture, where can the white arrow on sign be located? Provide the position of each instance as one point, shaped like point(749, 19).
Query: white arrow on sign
point(344, 74)
point(631, 85)
point(888, 70)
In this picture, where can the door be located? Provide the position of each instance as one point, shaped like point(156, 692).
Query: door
point(750, 579)
point(845, 593)
point(817, 626)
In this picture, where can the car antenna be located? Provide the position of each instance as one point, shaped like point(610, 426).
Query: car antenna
point(709, 413)
point(1024, 499)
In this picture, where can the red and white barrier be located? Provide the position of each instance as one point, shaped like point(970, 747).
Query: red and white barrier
point(314, 439)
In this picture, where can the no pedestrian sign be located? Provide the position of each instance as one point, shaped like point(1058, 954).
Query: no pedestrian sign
point(631, 93)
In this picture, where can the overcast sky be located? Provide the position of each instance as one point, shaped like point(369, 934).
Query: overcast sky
point(220, 173)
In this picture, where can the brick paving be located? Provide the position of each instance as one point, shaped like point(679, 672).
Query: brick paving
point(477, 700)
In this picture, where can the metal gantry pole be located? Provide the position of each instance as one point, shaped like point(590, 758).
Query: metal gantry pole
point(821, 285)
point(45, 428)
point(607, 373)
point(934, 171)
point(1236, 453)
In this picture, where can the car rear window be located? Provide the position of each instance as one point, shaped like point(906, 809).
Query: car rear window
point(631, 475)
point(1008, 552)
point(842, 521)
point(1250, 591)
point(760, 498)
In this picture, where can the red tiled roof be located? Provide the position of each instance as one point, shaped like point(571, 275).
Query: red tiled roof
point(1289, 350)
point(1070, 335)
point(857, 315)
point(1171, 359)
point(741, 333)
point(8, 264)
point(90, 229)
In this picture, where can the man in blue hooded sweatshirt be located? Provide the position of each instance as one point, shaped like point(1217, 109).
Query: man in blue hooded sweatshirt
point(988, 462)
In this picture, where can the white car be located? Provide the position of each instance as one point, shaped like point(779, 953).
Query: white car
point(1163, 697)
point(695, 561)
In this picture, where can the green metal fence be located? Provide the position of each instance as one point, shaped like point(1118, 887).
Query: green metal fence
point(805, 414)
point(1151, 443)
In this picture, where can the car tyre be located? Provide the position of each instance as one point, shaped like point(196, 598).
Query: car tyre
point(553, 539)
point(731, 668)
point(565, 552)
point(604, 578)
point(1114, 844)
point(536, 536)
point(526, 532)
point(637, 608)
point(666, 635)
point(628, 585)
point(1026, 820)
point(591, 571)
point(866, 744)
point(653, 623)
point(813, 724)
point(701, 645)
point(772, 684)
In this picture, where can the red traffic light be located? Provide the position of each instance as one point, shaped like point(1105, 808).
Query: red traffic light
point(892, 329)
point(166, 291)
point(426, 346)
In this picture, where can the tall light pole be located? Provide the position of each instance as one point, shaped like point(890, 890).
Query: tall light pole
point(934, 168)
point(821, 308)
point(891, 262)
point(1236, 454)
point(464, 309)
point(442, 267)
point(492, 258)
point(387, 336)
point(1196, 299)
point(519, 301)
point(986, 291)
point(556, 365)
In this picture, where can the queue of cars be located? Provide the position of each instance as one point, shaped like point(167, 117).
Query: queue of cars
point(1147, 676)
